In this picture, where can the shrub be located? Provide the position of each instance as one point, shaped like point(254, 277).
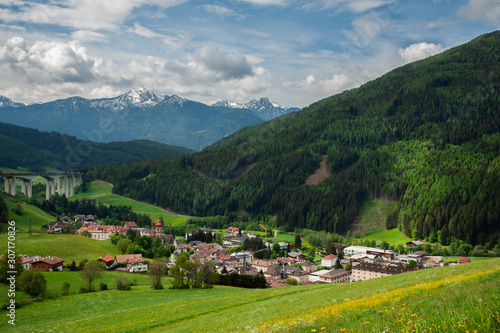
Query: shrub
point(65, 288)
point(122, 284)
point(292, 282)
point(33, 282)
point(83, 290)
point(103, 286)
point(50, 294)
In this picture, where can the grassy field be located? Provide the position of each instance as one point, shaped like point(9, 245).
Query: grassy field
point(38, 216)
point(372, 217)
point(102, 193)
point(393, 237)
point(68, 247)
point(430, 300)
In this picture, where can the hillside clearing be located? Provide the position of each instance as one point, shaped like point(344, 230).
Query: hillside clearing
point(320, 174)
point(372, 217)
point(393, 237)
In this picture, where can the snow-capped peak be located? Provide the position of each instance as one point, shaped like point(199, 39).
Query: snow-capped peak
point(229, 104)
point(143, 97)
point(6, 102)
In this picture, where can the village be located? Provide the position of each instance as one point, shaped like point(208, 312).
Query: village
point(227, 256)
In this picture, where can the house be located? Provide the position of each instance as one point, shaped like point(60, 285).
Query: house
point(463, 260)
point(108, 260)
point(335, 276)
point(329, 260)
point(27, 262)
point(137, 265)
point(158, 233)
point(125, 257)
point(415, 243)
point(415, 256)
point(299, 257)
point(314, 276)
point(297, 274)
point(234, 231)
point(363, 250)
point(102, 232)
point(368, 271)
point(57, 227)
point(308, 266)
point(131, 225)
point(264, 264)
point(47, 264)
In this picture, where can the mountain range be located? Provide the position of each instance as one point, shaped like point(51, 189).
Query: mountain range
point(425, 135)
point(141, 114)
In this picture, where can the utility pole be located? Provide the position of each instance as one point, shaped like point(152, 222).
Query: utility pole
point(29, 232)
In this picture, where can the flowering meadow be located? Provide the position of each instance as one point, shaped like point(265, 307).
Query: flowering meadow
point(450, 299)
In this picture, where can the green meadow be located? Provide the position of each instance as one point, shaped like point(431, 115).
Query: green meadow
point(393, 237)
point(372, 217)
point(66, 246)
point(38, 217)
point(432, 300)
point(101, 191)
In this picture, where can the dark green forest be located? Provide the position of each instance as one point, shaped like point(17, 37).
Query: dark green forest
point(32, 149)
point(425, 134)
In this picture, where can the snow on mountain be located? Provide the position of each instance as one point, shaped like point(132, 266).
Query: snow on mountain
point(141, 98)
point(7, 102)
point(264, 108)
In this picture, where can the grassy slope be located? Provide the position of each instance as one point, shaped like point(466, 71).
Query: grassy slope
point(434, 295)
point(38, 216)
point(68, 247)
point(393, 237)
point(372, 217)
point(101, 192)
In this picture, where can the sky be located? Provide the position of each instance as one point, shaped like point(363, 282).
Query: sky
point(294, 52)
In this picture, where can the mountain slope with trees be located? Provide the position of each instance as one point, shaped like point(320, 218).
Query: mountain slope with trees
point(425, 134)
point(34, 150)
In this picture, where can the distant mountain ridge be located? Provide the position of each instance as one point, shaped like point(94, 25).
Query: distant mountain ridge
point(141, 114)
point(30, 148)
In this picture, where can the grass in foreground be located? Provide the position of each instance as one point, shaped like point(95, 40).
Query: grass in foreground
point(414, 302)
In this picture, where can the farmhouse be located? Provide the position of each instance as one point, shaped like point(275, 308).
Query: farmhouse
point(108, 260)
point(137, 265)
point(102, 232)
point(47, 264)
point(415, 243)
point(125, 257)
point(370, 271)
point(415, 256)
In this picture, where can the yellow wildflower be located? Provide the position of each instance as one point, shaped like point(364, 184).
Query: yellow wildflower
point(313, 330)
point(323, 328)
point(367, 322)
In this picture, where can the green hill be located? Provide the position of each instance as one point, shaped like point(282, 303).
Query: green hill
point(434, 300)
point(424, 135)
point(39, 151)
point(66, 246)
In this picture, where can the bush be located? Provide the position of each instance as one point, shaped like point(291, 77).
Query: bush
point(33, 282)
point(50, 294)
point(292, 282)
point(83, 290)
point(103, 286)
point(65, 288)
point(122, 284)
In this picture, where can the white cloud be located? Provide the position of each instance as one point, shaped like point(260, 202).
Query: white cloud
point(487, 11)
point(337, 83)
point(47, 62)
point(220, 10)
point(419, 51)
point(88, 36)
point(80, 14)
point(282, 3)
point(357, 6)
point(231, 66)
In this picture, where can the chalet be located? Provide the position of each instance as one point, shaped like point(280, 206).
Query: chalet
point(137, 265)
point(335, 276)
point(47, 264)
point(370, 271)
point(329, 260)
point(108, 260)
point(415, 243)
point(125, 257)
point(27, 262)
point(463, 260)
point(58, 227)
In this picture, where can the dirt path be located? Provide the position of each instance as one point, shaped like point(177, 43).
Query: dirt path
point(320, 174)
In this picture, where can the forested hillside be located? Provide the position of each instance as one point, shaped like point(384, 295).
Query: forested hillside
point(425, 134)
point(32, 149)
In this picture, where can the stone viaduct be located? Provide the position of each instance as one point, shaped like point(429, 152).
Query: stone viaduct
point(64, 183)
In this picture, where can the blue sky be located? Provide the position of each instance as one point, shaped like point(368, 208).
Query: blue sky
point(293, 51)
